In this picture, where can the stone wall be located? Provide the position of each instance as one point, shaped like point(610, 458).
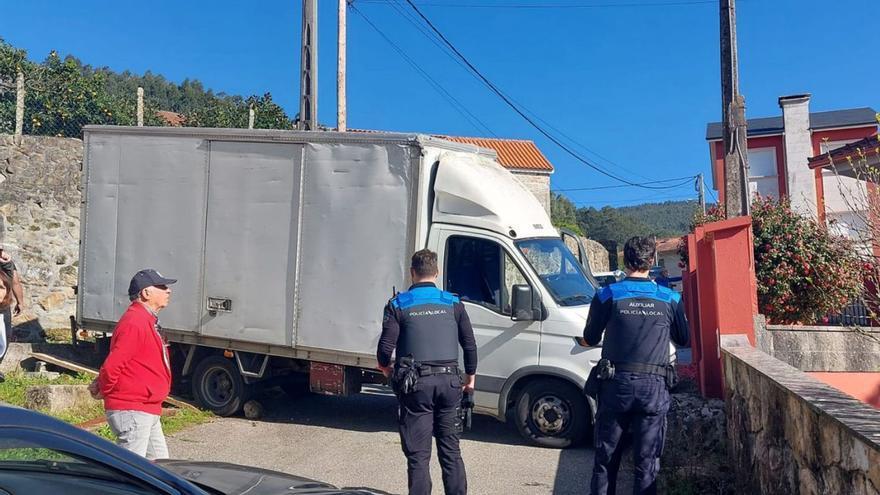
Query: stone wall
point(821, 348)
point(39, 223)
point(597, 254)
point(537, 184)
point(789, 433)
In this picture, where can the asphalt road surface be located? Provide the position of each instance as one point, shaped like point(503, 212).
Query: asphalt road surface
point(353, 442)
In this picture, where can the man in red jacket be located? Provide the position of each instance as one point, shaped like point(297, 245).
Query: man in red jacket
point(136, 376)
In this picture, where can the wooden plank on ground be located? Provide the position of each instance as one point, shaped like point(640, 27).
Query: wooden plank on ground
point(174, 401)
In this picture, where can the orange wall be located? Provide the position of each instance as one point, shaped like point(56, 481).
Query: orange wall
point(863, 386)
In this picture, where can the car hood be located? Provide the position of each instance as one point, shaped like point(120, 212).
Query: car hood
point(234, 479)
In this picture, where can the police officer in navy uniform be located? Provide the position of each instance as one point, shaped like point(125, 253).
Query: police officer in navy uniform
point(638, 319)
point(427, 325)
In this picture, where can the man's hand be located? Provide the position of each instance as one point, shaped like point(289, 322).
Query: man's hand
point(386, 370)
point(95, 390)
point(469, 384)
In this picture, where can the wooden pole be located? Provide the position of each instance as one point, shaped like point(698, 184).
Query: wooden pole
point(19, 108)
point(733, 122)
point(140, 106)
point(341, 123)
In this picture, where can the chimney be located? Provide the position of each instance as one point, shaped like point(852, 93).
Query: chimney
point(800, 180)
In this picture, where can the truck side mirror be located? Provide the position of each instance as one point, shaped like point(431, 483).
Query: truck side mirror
point(521, 303)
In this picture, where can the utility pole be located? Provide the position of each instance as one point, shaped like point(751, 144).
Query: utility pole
point(341, 124)
point(308, 79)
point(733, 122)
point(701, 190)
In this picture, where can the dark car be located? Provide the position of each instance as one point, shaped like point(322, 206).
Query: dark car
point(40, 454)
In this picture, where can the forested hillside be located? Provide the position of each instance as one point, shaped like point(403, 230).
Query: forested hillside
point(667, 219)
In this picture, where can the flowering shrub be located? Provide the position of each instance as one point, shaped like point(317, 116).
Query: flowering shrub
point(803, 272)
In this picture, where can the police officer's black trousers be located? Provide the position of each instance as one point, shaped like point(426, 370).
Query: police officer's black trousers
point(630, 400)
point(432, 409)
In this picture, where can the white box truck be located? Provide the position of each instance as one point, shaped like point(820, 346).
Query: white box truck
point(287, 245)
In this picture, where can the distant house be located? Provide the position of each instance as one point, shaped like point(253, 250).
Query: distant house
point(667, 255)
point(779, 154)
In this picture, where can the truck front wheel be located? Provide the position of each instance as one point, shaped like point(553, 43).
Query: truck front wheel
point(218, 386)
point(552, 413)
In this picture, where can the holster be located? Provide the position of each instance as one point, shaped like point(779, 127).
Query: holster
point(465, 411)
point(405, 376)
point(671, 377)
point(604, 370)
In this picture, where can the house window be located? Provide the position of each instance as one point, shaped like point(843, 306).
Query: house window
point(763, 174)
point(846, 199)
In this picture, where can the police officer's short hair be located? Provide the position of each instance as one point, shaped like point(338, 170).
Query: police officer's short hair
point(638, 253)
point(424, 263)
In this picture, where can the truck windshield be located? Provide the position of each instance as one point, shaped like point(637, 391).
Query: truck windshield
point(559, 271)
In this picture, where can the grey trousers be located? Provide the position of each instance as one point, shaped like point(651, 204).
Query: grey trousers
point(139, 432)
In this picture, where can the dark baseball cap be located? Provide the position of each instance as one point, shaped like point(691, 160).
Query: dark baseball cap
point(146, 278)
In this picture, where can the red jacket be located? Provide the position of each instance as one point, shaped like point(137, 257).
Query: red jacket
point(136, 374)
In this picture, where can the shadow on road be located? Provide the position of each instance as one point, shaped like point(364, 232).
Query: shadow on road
point(373, 410)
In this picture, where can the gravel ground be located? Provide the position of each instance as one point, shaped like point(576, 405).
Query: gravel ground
point(353, 442)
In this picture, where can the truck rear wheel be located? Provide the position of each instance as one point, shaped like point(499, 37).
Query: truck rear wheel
point(552, 413)
point(218, 386)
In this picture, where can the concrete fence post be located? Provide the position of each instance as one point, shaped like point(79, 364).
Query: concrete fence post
point(140, 107)
point(19, 108)
point(251, 115)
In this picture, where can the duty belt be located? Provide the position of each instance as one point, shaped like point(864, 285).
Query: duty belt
point(426, 370)
point(653, 369)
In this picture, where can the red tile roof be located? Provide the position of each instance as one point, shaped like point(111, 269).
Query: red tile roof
point(852, 151)
point(517, 154)
point(668, 245)
point(173, 119)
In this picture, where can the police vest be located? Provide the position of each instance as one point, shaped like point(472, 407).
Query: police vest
point(428, 330)
point(642, 316)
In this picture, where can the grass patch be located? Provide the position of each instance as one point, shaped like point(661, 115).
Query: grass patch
point(13, 390)
point(58, 335)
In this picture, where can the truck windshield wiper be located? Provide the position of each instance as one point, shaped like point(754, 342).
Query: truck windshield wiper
point(575, 298)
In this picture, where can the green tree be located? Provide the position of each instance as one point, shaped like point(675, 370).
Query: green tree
point(563, 213)
point(609, 224)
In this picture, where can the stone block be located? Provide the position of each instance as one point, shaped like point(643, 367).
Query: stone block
point(855, 455)
point(53, 301)
point(57, 398)
point(829, 443)
point(808, 484)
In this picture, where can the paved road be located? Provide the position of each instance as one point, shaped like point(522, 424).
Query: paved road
point(353, 442)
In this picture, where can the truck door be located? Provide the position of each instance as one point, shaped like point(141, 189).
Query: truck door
point(482, 272)
point(250, 241)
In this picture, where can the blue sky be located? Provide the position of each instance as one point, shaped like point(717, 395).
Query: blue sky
point(633, 83)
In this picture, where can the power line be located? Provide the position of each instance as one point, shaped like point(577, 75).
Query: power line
point(433, 38)
point(713, 194)
point(558, 5)
point(517, 109)
point(685, 181)
point(662, 199)
point(475, 121)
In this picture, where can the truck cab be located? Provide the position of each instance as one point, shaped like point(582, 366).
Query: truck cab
point(527, 296)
